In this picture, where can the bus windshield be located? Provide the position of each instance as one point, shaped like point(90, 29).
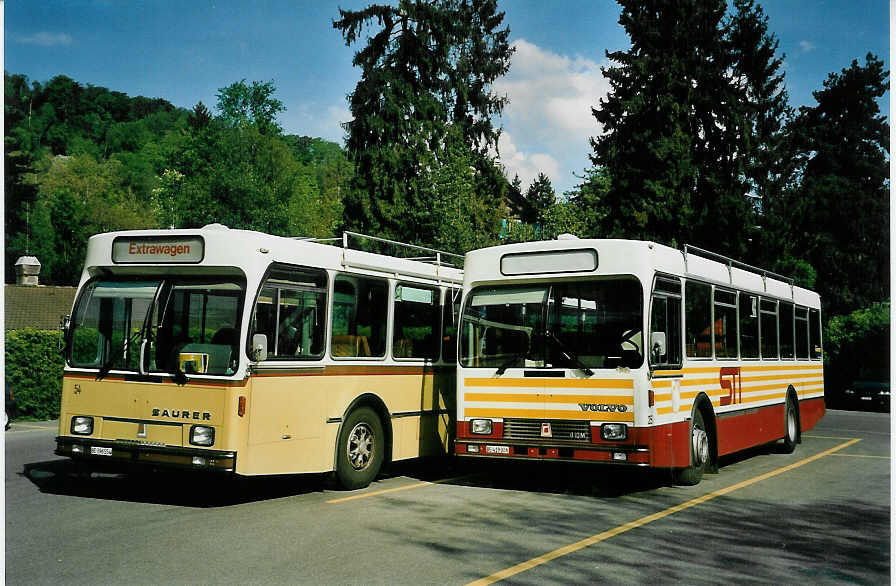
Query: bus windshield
point(187, 325)
point(591, 324)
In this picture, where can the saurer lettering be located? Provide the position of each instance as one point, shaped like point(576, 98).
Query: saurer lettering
point(181, 414)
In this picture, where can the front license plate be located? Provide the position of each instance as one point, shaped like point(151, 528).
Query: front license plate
point(866, 398)
point(100, 451)
point(497, 449)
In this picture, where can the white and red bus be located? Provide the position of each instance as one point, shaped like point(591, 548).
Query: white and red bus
point(240, 352)
point(632, 353)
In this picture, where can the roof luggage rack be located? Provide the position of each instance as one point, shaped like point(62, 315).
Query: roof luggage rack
point(731, 263)
point(440, 258)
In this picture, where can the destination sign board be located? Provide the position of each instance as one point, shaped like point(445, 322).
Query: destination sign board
point(158, 249)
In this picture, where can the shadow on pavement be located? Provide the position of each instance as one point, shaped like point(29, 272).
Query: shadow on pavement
point(187, 489)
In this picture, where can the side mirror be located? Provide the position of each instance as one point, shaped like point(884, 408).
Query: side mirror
point(259, 347)
point(65, 325)
point(657, 345)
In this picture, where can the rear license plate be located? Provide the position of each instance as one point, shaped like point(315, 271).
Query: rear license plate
point(866, 398)
point(497, 449)
point(100, 451)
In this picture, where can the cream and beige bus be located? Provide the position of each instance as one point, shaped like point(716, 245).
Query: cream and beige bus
point(633, 353)
point(228, 350)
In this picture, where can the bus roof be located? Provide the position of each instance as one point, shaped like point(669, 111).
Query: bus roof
point(138, 252)
point(576, 258)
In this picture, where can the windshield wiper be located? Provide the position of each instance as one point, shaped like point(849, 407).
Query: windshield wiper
point(503, 368)
point(106, 368)
point(570, 356)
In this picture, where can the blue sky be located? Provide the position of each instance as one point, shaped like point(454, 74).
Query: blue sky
point(185, 51)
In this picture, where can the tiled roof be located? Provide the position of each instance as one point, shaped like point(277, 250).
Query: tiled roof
point(36, 307)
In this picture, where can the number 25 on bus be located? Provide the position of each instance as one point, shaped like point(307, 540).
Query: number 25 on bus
point(632, 353)
point(240, 352)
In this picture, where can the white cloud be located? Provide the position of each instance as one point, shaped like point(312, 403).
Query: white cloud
point(316, 120)
point(45, 39)
point(807, 46)
point(526, 165)
point(549, 114)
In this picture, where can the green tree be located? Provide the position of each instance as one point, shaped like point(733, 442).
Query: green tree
point(77, 197)
point(240, 104)
point(428, 66)
point(674, 129)
point(837, 217)
point(764, 109)
point(541, 197)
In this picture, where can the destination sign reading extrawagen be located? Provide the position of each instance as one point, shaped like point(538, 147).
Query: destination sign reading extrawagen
point(187, 249)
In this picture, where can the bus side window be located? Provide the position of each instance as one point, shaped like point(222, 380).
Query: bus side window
point(416, 322)
point(698, 319)
point(802, 332)
point(290, 312)
point(749, 325)
point(768, 328)
point(814, 334)
point(360, 306)
point(665, 324)
point(785, 329)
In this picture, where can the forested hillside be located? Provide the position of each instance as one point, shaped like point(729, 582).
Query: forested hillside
point(83, 159)
point(696, 142)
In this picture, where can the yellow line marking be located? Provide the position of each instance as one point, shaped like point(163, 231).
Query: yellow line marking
point(396, 489)
point(574, 547)
point(861, 456)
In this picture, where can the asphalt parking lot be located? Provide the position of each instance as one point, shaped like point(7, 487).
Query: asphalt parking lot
point(819, 515)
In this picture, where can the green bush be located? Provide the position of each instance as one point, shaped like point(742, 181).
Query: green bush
point(857, 346)
point(34, 372)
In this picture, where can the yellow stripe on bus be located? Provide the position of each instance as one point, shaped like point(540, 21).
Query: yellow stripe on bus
point(534, 398)
point(549, 414)
point(557, 383)
point(743, 367)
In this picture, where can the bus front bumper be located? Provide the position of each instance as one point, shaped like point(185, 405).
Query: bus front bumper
point(490, 448)
point(143, 454)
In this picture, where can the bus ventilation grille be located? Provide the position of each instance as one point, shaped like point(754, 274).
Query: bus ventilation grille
point(530, 429)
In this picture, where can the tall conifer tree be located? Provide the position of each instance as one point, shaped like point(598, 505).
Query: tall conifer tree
point(428, 66)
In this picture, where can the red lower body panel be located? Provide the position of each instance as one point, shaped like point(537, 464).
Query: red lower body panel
point(660, 446)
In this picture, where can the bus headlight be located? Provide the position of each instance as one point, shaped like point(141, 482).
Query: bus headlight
point(481, 426)
point(82, 425)
point(613, 431)
point(202, 435)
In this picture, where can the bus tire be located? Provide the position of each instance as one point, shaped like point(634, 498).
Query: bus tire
point(791, 426)
point(699, 445)
point(360, 449)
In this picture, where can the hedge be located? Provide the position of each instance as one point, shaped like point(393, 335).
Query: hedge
point(34, 372)
point(857, 346)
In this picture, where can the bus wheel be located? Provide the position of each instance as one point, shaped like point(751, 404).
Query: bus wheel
point(699, 453)
point(792, 427)
point(360, 449)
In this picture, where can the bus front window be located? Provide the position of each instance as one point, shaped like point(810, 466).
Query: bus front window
point(193, 326)
point(592, 324)
point(108, 320)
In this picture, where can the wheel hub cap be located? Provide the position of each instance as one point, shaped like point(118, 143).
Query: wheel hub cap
point(360, 446)
point(701, 447)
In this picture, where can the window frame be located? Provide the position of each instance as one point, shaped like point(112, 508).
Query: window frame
point(278, 266)
point(655, 293)
point(736, 307)
point(387, 319)
point(436, 323)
